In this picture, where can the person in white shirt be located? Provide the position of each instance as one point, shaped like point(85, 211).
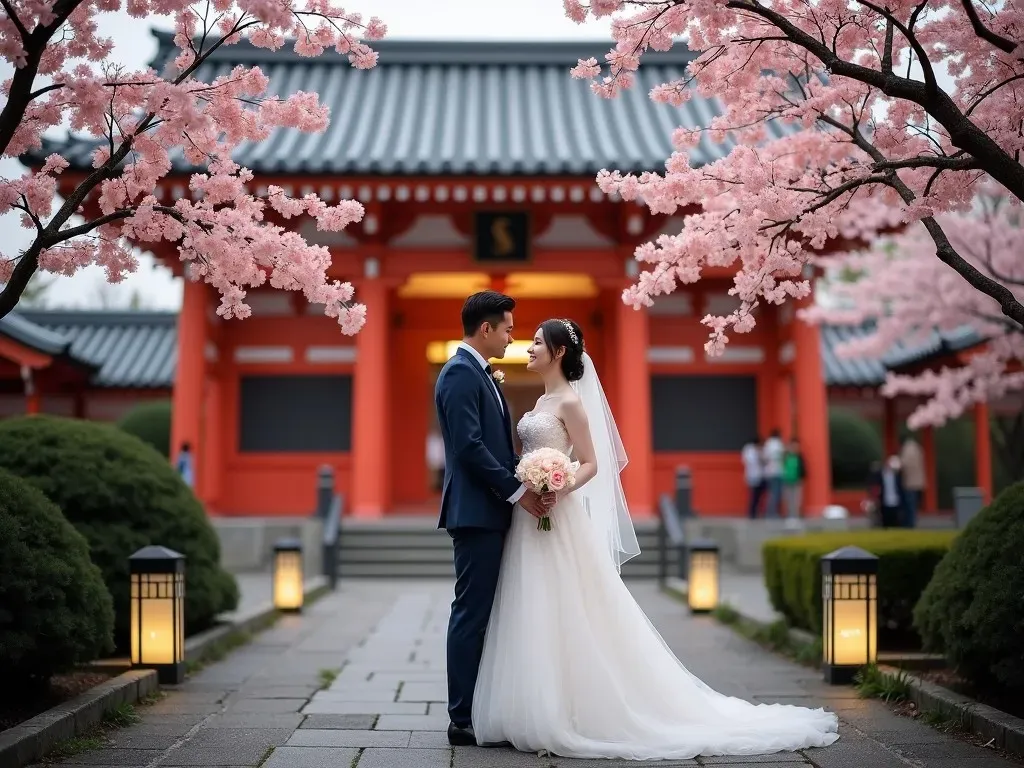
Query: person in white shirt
point(772, 454)
point(753, 474)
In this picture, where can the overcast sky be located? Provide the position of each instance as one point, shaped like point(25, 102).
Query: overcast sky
point(134, 46)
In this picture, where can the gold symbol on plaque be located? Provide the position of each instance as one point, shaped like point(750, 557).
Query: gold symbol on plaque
point(503, 244)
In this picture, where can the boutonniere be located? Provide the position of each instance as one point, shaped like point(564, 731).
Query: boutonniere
point(499, 377)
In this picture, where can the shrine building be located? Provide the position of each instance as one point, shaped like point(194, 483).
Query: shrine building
point(476, 163)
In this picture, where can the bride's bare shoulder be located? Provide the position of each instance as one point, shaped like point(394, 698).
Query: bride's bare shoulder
point(570, 405)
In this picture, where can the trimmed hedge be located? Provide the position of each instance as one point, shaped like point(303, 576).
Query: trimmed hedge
point(151, 423)
point(55, 611)
point(973, 610)
point(121, 495)
point(907, 559)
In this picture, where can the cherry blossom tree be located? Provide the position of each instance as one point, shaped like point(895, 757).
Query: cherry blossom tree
point(64, 75)
point(905, 294)
point(919, 104)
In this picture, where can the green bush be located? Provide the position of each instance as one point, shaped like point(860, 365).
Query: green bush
point(792, 572)
point(121, 495)
point(973, 609)
point(151, 423)
point(55, 611)
point(854, 444)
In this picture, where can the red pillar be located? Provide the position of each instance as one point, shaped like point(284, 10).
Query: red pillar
point(931, 483)
point(982, 451)
point(187, 410)
point(370, 481)
point(633, 414)
point(810, 396)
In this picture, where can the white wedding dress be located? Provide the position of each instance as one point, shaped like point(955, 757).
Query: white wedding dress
point(572, 665)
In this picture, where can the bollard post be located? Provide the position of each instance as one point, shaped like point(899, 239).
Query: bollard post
point(324, 490)
point(684, 492)
point(662, 547)
point(967, 502)
point(684, 508)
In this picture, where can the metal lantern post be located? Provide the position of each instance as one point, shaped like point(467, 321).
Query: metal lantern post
point(849, 593)
point(288, 571)
point(703, 576)
point(158, 612)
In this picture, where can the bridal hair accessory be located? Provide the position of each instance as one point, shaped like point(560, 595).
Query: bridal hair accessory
point(571, 332)
point(499, 377)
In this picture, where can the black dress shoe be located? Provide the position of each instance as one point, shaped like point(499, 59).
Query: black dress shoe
point(461, 737)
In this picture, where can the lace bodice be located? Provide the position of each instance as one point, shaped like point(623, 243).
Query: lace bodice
point(541, 429)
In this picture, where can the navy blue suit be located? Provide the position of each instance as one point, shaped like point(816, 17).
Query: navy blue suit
point(479, 478)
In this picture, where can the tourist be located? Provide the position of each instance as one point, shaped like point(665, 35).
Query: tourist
point(185, 464)
point(753, 474)
point(912, 462)
point(888, 490)
point(794, 471)
point(772, 454)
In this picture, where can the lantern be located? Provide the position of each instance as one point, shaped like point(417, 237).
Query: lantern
point(702, 576)
point(288, 587)
point(158, 612)
point(850, 607)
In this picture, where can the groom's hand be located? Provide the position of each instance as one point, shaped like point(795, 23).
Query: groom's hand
point(533, 504)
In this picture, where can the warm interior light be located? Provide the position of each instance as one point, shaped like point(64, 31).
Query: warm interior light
point(551, 285)
point(702, 584)
point(153, 605)
point(444, 285)
point(850, 636)
point(288, 580)
point(440, 352)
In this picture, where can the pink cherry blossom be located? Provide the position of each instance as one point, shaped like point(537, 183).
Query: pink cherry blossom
point(907, 294)
point(64, 73)
point(847, 119)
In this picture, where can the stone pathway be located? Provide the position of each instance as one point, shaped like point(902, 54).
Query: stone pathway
point(265, 704)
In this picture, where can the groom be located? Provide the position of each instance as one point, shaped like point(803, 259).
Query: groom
point(480, 489)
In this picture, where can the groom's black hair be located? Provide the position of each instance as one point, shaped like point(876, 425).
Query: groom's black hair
point(485, 307)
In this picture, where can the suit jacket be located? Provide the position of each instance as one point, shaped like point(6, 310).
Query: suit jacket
point(480, 460)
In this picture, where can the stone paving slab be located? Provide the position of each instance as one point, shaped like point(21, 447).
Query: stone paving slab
point(265, 706)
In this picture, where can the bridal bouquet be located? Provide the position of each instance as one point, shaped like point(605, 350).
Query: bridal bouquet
point(545, 470)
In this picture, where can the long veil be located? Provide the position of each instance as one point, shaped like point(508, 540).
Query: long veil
point(603, 497)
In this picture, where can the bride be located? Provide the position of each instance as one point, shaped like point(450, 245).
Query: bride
point(571, 664)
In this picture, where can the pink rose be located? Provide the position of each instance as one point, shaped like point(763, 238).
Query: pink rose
point(557, 481)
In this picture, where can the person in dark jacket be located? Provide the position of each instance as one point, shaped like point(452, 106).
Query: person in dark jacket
point(890, 496)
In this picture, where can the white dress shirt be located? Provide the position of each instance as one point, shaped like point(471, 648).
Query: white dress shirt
point(483, 364)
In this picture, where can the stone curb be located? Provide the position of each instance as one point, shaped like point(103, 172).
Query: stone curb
point(1003, 729)
point(678, 587)
point(29, 741)
point(252, 620)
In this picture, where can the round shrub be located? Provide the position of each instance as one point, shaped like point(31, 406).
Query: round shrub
point(854, 443)
point(151, 423)
point(121, 495)
point(55, 611)
point(973, 609)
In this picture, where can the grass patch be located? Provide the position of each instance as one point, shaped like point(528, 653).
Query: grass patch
point(873, 683)
point(945, 722)
point(95, 737)
point(328, 676)
point(775, 637)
